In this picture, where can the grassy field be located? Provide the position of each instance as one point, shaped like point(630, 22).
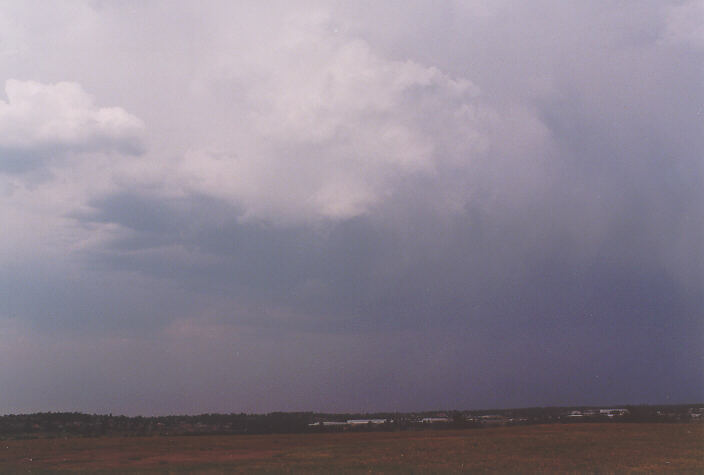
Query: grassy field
point(543, 448)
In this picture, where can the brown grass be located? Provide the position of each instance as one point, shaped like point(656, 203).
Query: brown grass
point(573, 448)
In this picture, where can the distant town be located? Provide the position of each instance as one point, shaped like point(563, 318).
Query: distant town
point(74, 424)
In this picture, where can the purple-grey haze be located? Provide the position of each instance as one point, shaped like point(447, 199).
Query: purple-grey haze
point(350, 206)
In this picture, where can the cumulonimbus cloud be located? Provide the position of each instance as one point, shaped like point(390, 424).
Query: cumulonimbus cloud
point(42, 120)
point(331, 128)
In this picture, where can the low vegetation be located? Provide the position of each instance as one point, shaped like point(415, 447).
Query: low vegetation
point(597, 447)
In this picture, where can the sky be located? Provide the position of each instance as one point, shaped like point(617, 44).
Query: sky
point(350, 206)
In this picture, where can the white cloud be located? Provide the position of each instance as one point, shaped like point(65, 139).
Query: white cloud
point(326, 128)
point(48, 119)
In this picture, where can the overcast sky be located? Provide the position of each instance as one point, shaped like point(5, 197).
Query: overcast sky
point(350, 206)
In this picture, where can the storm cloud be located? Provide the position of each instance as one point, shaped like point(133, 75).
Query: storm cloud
point(350, 206)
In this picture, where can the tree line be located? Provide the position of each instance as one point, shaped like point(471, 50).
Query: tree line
point(65, 424)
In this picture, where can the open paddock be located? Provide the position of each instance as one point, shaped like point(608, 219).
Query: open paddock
point(541, 448)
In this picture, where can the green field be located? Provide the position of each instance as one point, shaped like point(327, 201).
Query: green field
point(541, 448)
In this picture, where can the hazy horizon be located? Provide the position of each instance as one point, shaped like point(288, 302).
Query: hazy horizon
point(362, 412)
point(350, 206)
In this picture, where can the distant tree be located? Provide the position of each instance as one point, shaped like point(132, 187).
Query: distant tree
point(458, 419)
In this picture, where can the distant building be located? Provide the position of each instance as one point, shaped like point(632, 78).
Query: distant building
point(613, 412)
point(356, 422)
point(493, 420)
point(434, 420)
point(327, 424)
